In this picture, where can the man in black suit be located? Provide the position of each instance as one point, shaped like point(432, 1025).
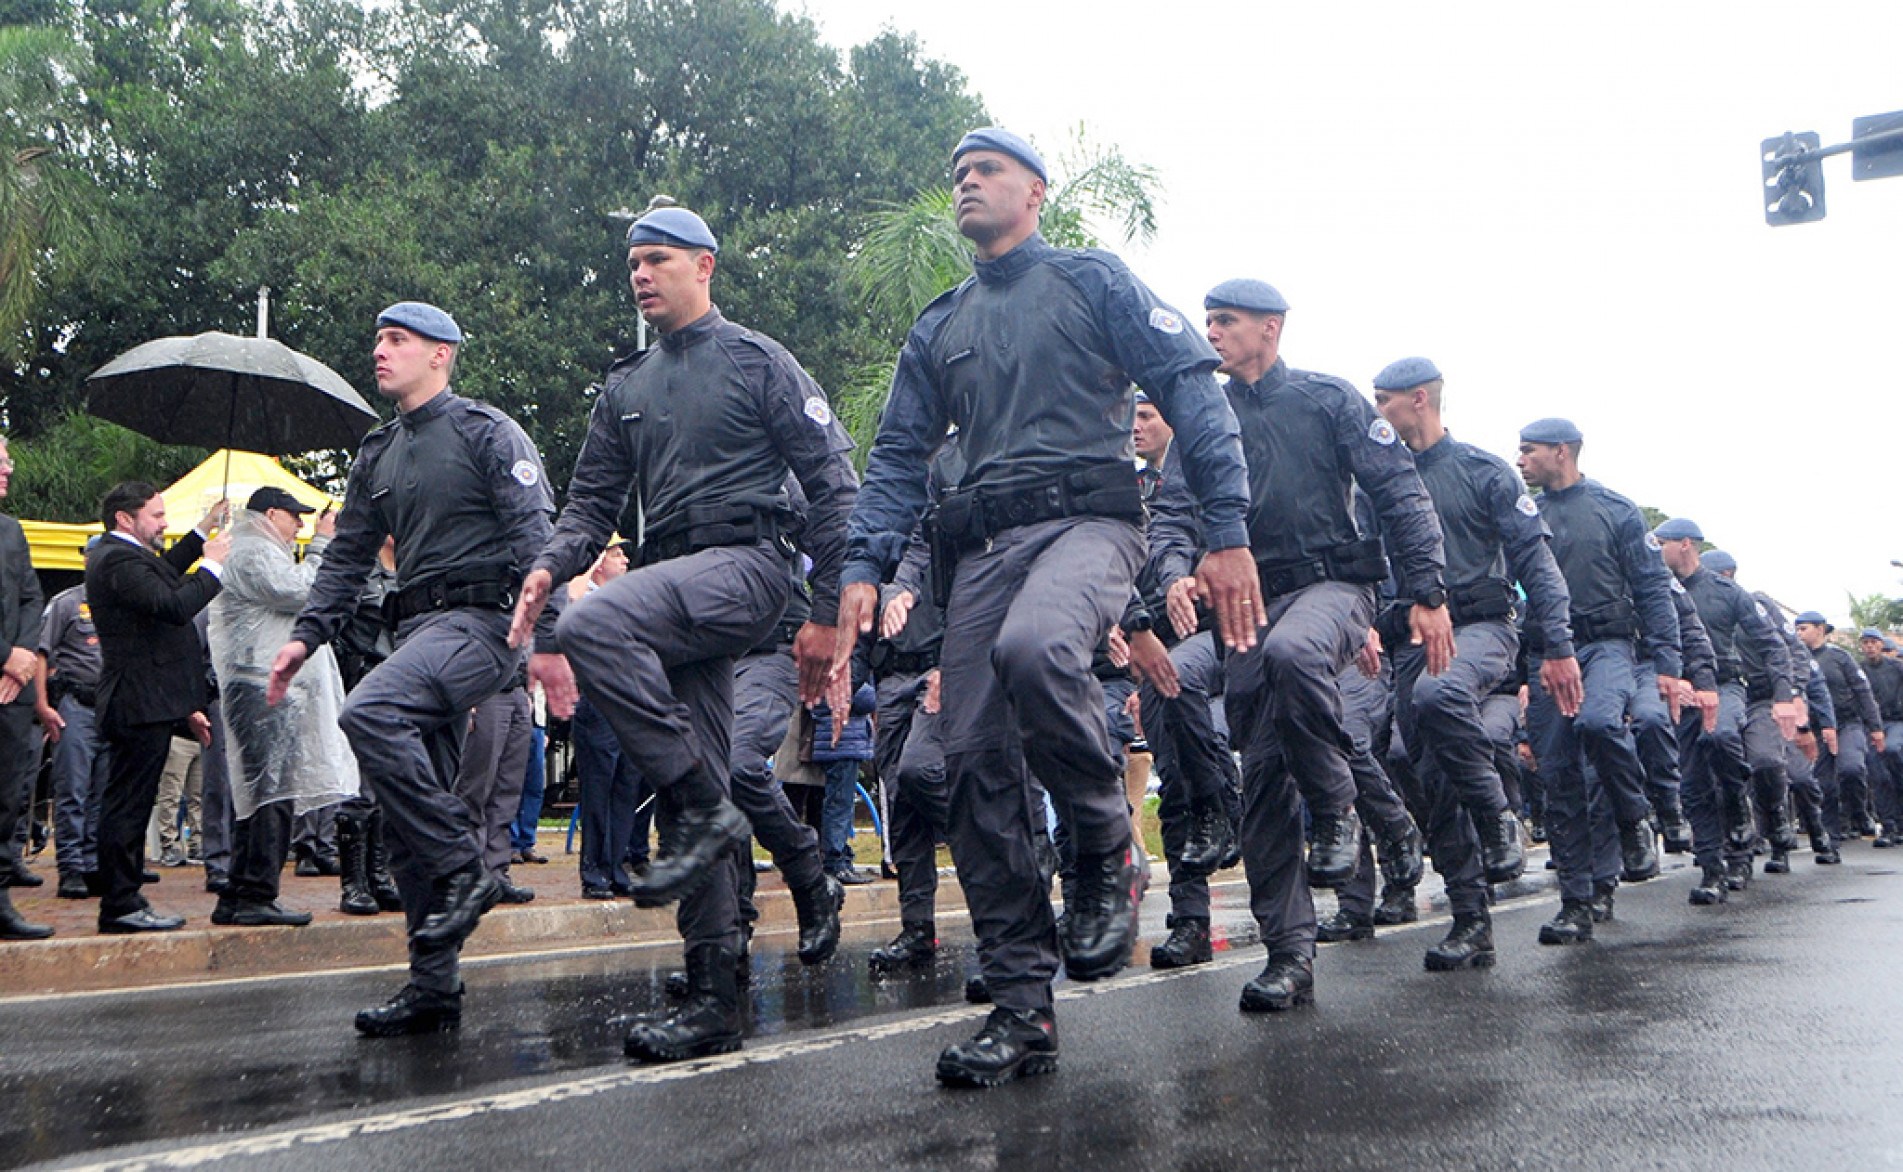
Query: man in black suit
point(21, 605)
point(152, 681)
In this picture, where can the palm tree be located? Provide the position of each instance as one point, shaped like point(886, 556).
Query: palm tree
point(47, 232)
point(912, 252)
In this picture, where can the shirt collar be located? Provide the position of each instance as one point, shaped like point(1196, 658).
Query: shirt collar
point(438, 404)
point(1014, 264)
point(1274, 378)
point(674, 341)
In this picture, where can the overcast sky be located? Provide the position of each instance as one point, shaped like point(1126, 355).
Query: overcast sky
point(1558, 204)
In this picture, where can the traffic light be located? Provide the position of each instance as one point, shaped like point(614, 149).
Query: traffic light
point(1793, 179)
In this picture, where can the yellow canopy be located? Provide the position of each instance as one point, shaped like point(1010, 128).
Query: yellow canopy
point(57, 546)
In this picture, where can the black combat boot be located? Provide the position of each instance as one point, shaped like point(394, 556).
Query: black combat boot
point(1601, 904)
point(459, 900)
point(1342, 926)
point(382, 885)
point(1711, 889)
point(1188, 944)
point(1638, 851)
point(976, 991)
point(1741, 826)
point(817, 905)
point(707, 1022)
point(13, 926)
point(700, 835)
point(1823, 848)
point(1676, 831)
point(914, 947)
point(1738, 873)
point(1014, 1043)
point(1334, 849)
point(353, 851)
point(1469, 945)
point(1100, 917)
point(1401, 861)
point(1573, 924)
point(412, 1011)
point(1502, 856)
point(1211, 837)
point(676, 985)
point(1396, 906)
point(1286, 982)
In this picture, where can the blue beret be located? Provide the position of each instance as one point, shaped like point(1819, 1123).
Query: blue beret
point(1679, 527)
point(1248, 294)
point(422, 318)
point(1551, 431)
point(1406, 374)
point(1887, 644)
point(1814, 617)
point(1718, 561)
point(1871, 633)
point(673, 226)
point(1142, 395)
point(996, 138)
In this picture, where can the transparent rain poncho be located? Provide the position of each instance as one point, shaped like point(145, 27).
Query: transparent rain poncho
point(292, 752)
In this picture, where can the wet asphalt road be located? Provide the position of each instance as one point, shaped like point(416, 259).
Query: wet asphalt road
point(1757, 1035)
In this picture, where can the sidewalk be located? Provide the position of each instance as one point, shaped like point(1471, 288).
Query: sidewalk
point(78, 958)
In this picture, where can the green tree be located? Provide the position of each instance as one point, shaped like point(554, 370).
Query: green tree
point(1876, 610)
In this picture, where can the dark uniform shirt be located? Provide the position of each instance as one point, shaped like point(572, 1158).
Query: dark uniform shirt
point(1850, 690)
point(1611, 568)
point(1747, 645)
point(1310, 439)
point(925, 624)
point(1493, 533)
point(462, 489)
point(712, 418)
point(1701, 662)
point(1033, 358)
point(68, 641)
point(1886, 684)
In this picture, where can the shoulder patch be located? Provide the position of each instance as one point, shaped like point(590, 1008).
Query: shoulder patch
point(1165, 322)
point(817, 411)
point(1381, 431)
point(1527, 505)
point(1677, 586)
point(525, 472)
point(1652, 541)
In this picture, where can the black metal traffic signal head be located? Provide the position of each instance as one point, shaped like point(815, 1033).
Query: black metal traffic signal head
point(1793, 179)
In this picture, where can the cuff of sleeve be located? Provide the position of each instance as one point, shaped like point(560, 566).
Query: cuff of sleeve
point(1234, 536)
point(1668, 665)
point(825, 610)
point(1705, 682)
point(215, 569)
point(854, 574)
point(1561, 651)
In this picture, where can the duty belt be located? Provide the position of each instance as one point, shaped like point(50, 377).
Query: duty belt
point(692, 538)
point(966, 519)
point(1479, 602)
point(85, 695)
point(424, 597)
point(909, 663)
point(1359, 562)
point(1588, 629)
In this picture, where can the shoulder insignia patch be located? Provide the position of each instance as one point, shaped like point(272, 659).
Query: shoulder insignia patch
point(1652, 542)
point(1677, 586)
point(817, 411)
point(524, 471)
point(1381, 431)
point(1527, 505)
point(1165, 322)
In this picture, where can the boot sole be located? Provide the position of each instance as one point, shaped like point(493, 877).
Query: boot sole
point(952, 1075)
point(1160, 960)
point(398, 1030)
point(1699, 899)
point(1478, 960)
point(1254, 1002)
point(706, 1049)
point(822, 955)
point(885, 968)
point(1566, 938)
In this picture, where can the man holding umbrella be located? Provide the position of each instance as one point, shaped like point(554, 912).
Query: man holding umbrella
point(462, 490)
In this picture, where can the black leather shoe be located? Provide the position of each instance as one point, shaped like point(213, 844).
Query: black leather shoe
point(143, 920)
point(851, 877)
point(1638, 852)
point(511, 893)
point(676, 985)
point(1536, 829)
point(13, 926)
point(252, 914)
point(412, 1011)
point(1573, 924)
point(915, 947)
point(461, 899)
point(1676, 831)
point(1401, 861)
point(1883, 842)
point(707, 1022)
point(217, 882)
point(306, 868)
point(1501, 855)
point(1601, 904)
point(148, 877)
point(1100, 919)
point(1396, 907)
point(1712, 888)
point(72, 885)
point(1823, 851)
point(1286, 982)
point(1334, 849)
point(1188, 944)
point(530, 855)
point(1342, 926)
point(1209, 842)
point(817, 907)
point(20, 876)
point(702, 834)
point(976, 991)
point(595, 891)
point(1779, 863)
point(1469, 945)
point(1013, 1044)
point(1738, 874)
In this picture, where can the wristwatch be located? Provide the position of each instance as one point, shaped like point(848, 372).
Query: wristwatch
point(1433, 599)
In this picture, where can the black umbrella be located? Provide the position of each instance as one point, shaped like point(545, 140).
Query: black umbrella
point(219, 390)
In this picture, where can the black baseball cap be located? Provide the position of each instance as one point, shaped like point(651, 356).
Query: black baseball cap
point(273, 497)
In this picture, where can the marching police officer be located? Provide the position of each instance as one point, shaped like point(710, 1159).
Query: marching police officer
point(702, 429)
point(1033, 359)
point(1620, 593)
point(1310, 439)
point(1494, 539)
point(1846, 767)
point(1886, 683)
point(1757, 703)
point(460, 487)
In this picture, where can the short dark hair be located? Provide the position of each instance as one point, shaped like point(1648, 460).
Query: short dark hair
point(129, 497)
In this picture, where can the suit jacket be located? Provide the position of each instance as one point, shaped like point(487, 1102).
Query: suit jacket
point(21, 603)
point(153, 666)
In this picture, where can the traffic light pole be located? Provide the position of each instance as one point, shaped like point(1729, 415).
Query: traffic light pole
point(1794, 180)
